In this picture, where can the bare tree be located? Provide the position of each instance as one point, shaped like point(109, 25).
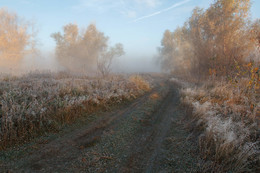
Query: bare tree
point(106, 58)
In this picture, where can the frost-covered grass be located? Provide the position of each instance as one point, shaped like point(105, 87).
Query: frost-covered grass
point(227, 117)
point(37, 102)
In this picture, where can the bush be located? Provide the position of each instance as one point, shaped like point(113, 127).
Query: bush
point(140, 82)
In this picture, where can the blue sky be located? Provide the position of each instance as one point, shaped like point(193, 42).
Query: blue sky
point(137, 24)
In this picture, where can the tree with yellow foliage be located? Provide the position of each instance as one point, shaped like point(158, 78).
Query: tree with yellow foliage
point(17, 39)
point(85, 51)
point(210, 41)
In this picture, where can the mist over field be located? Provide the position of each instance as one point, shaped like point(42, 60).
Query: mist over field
point(126, 64)
point(136, 64)
point(72, 55)
point(130, 86)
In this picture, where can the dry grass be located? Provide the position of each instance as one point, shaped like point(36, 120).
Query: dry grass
point(227, 117)
point(37, 102)
point(140, 82)
point(154, 96)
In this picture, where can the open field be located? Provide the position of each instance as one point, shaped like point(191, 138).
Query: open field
point(136, 137)
point(36, 103)
point(171, 126)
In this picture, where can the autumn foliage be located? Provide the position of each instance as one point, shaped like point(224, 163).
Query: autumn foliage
point(84, 51)
point(219, 49)
point(17, 39)
point(211, 41)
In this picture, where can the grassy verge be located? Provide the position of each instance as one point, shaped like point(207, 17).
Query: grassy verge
point(226, 120)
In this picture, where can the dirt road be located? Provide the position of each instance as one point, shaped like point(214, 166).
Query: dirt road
point(147, 135)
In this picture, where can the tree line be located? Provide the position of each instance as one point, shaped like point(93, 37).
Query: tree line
point(77, 50)
point(212, 41)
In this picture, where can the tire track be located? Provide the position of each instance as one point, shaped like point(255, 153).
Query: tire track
point(55, 155)
point(147, 145)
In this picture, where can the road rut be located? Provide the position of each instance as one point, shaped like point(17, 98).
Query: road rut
point(146, 136)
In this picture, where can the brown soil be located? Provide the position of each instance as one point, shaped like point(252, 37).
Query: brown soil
point(147, 135)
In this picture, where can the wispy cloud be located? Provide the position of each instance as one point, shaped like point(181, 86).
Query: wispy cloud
point(100, 6)
point(129, 13)
point(162, 11)
point(26, 2)
point(128, 8)
point(149, 3)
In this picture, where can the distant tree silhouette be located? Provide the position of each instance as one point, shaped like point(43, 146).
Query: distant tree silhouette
point(85, 51)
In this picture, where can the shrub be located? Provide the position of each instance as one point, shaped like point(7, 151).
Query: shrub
point(140, 82)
